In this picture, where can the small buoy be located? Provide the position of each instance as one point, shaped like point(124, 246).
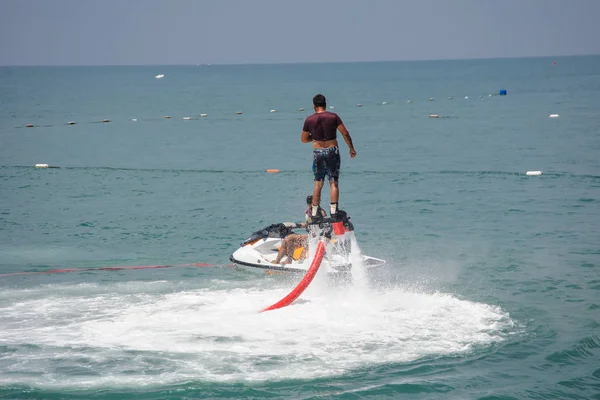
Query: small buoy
point(301, 109)
point(502, 92)
point(431, 99)
point(41, 165)
point(409, 101)
point(272, 111)
point(29, 126)
point(238, 112)
point(160, 76)
point(490, 95)
point(553, 116)
point(466, 97)
point(359, 105)
point(331, 106)
point(271, 171)
point(434, 116)
point(186, 118)
point(534, 173)
point(449, 97)
point(203, 115)
point(106, 120)
point(71, 123)
point(134, 119)
point(384, 103)
point(167, 116)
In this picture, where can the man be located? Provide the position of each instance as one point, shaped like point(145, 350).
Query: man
point(321, 129)
point(294, 241)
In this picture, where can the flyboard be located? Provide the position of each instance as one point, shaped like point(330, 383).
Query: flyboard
point(332, 238)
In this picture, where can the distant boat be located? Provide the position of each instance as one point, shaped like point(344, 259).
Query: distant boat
point(160, 76)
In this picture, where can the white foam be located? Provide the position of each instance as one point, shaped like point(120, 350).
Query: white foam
point(123, 332)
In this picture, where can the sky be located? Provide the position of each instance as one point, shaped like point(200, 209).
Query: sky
point(174, 32)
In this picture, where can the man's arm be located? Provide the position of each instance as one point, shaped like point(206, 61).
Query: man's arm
point(306, 137)
point(347, 139)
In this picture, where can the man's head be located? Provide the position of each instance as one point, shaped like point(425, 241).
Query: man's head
point(309, 200)
point(319, 101)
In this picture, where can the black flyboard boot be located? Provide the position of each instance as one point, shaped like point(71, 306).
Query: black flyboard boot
point(319, 225)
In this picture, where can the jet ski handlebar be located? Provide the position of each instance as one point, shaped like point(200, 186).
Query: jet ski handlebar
point(283, 229)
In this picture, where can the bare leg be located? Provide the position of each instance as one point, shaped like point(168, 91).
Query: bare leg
point(283, 250)
point(317, 193)
point(334, 193)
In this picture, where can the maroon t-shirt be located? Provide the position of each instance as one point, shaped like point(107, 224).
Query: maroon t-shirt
point(322, 126)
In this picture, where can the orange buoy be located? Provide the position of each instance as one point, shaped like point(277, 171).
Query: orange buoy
point(272, 171)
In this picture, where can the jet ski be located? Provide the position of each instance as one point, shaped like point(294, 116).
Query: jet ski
point(258, 252)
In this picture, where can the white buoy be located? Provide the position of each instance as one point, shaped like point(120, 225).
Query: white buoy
point(204, 115)
point(466, 97)
point(384, 103)
point(160, 76)
point(431, 99)
point(553, 116)
point(434, 116)
point(409, 101)
point(534, 173)
point(359, 105)
point(186, 118)
point(41, 165)
point(134, 119)
point(272, 111)
point(331, 106)
point(238, 112)
point(301, 109)
point(71, 123)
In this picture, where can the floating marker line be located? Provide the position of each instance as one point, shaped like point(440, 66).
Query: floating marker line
point(117, 268)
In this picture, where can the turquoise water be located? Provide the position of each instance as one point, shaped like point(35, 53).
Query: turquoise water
point(492, 286)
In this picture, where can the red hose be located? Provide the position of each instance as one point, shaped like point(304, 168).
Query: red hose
point(310, 274)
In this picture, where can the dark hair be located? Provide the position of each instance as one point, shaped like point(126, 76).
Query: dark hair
point(319, 101)
point(309, 199)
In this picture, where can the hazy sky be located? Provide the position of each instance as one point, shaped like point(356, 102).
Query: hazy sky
point(116, 32)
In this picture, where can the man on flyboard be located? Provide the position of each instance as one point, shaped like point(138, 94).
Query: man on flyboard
point(321, 129)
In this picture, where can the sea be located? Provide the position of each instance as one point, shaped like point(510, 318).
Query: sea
point(491, 287)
